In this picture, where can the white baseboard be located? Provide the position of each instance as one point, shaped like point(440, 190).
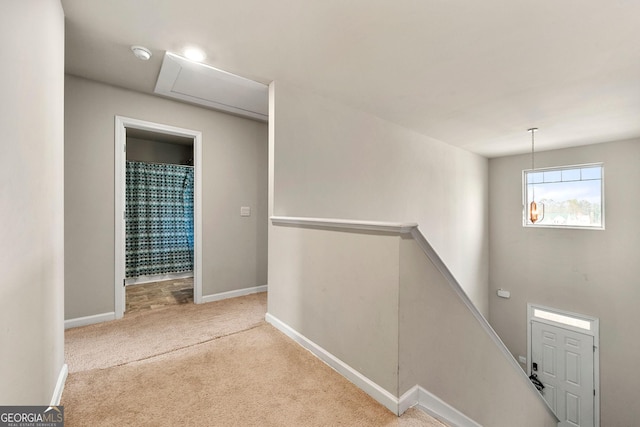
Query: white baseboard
point(105, 317)
point(57, 392)
point(434, 406)
point(233, 294)
point(89, 320)
point(408, 400)
point(416, 396)
point(384, 397)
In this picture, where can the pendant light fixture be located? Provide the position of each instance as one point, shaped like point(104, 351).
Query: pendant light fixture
point(536, 210)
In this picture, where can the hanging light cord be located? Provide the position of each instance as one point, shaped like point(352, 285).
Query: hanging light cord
point(532, 130)
point(533, 187)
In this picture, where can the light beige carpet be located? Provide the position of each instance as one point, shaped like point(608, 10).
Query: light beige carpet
point(251, 376)
point(149, 333)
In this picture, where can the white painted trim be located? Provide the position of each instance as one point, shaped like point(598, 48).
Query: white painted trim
point(271, 129)
point(416, 396)
point(119, 192)
point(409, 399)
point(233, 294)
point(57, 392)
point(121, 124)
point(380, 226)
point(434, 406)
point(381, 395)
point(441, 410)
point(89, 320)
point(197, 217)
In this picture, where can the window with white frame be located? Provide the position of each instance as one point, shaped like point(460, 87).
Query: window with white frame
point(567, 196)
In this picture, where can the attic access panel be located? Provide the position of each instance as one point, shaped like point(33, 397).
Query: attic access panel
point(202, 84)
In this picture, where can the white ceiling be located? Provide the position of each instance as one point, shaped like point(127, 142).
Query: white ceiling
point(475, 74)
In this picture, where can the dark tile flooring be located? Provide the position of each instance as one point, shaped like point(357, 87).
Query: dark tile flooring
point(154, 295)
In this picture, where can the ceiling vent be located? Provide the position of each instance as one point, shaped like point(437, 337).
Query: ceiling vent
point(204, 85)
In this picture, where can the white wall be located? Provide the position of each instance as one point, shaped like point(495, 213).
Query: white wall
point(234, 155)
point(335, 162)
point(31, 201)
point(585, 271)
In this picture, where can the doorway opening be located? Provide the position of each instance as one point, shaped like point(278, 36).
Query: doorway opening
point(563, 353)
point(184, 271)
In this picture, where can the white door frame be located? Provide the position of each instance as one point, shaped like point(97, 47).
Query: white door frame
point(121, 125)
point(583, 324)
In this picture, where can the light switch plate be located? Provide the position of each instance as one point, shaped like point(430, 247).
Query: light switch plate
point(245, 211)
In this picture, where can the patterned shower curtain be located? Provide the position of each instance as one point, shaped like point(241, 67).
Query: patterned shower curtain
point(159, 219)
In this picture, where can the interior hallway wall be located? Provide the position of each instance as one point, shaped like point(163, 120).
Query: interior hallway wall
point(593, 272)
point(143, 150)
point(336, 162)
point(234, 156)
point(31, 201)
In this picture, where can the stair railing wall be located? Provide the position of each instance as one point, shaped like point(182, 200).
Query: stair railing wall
point(375, 301)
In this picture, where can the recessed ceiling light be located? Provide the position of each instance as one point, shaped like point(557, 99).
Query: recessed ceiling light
point(194, 54)
point(141, 52)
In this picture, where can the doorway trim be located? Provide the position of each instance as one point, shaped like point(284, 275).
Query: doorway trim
point(587, 325)
point(121, 125)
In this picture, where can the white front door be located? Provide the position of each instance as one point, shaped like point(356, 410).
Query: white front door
point(564, 361)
